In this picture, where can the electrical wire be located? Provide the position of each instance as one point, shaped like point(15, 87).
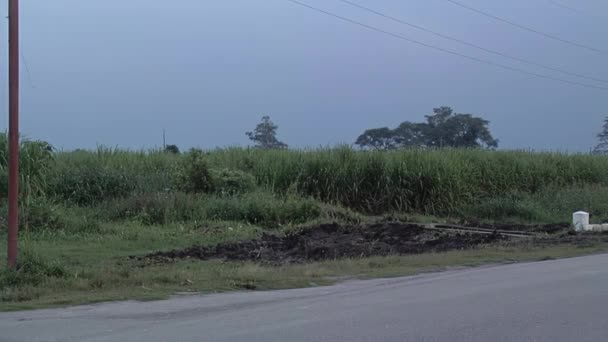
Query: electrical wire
point(525, 28)
point(572, 9)
point(498, 53)
point(479, 60)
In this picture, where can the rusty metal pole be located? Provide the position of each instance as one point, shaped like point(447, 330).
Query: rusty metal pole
point(13, 133)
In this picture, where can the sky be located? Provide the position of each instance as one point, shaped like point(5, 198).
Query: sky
point(118, 72)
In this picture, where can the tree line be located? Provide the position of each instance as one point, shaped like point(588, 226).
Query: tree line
point(442, 128)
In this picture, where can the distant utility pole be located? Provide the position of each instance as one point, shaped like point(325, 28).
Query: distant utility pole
point(164, 140)
point(13, 132)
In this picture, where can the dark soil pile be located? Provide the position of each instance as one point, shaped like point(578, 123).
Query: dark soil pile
point(332, 241)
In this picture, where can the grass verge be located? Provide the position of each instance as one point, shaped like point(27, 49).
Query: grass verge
point(95, 268)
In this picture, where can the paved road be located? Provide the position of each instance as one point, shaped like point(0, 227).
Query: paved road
point(554, 301)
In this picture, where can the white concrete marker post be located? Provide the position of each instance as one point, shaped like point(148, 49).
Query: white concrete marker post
point(580, 220)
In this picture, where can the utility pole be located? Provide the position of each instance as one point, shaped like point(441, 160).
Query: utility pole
point(164, 140)
point(13, 132)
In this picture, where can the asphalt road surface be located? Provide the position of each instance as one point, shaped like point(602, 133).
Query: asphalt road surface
point(565, 300)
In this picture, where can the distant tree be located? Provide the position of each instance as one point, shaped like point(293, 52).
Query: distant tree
point(410, 134)
point(443, 128)
point(265, 135)
point(440, 116)
point(602, 146)
point(378, 138)
point(172, 149)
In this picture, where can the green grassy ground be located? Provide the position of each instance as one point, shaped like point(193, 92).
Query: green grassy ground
point(84, 212)
point(75, 269)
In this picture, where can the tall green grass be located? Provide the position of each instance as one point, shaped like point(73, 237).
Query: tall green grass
point(424, 181)
point(91, 177)
point(36, 159)
point(550, 205)
point(255, 208)
point(431, 182)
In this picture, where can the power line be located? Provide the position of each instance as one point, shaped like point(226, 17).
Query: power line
point(564, 6)
point(479, 60)
point(525, 28)
point(498, 53)
point(572, 9)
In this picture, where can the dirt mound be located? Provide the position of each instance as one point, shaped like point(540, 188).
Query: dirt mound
point(332, 241)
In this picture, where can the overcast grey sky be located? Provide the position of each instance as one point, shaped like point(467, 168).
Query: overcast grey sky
point(116, 72)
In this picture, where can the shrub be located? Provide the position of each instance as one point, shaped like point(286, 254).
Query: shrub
point(552, 204)
point(35, 215)
point(193, 173)
point(232, 182)
point(560, 203)
point(155, 208)
point(509, 208)
point(90, 184)
point(256, 208)
point(80, 223)
point(40, 215)
point(149, 208)
point(262, 209)
point(31, 270)
point(172, 149)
